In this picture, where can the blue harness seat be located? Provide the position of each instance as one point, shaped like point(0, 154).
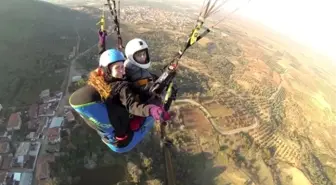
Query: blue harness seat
point(97, 114)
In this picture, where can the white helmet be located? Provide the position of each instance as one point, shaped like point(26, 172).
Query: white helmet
point(136, 46)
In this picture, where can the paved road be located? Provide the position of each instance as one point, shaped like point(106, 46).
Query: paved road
point(63, 101)
point(70, 73)
point(68, 78)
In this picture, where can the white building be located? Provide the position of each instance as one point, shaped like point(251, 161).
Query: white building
point(56, 122)
point(76, 78)
point(45, 93)
point(26, 178)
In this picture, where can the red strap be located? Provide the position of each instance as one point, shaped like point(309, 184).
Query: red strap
point(121, 138)
point(136, 123)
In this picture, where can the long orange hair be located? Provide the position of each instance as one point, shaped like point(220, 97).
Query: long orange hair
point(98, 82)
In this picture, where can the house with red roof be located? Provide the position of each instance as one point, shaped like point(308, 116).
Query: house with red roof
point(14, 122)
point(54, 135)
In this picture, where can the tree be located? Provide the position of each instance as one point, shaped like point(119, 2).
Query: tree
point(80, 83)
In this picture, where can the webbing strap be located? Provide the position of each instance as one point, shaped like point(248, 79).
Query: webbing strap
point(142, 82)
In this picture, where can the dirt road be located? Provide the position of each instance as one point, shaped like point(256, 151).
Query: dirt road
point(213, 122)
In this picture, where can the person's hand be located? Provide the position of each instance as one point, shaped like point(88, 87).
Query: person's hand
point(102, 36)
point(102, 33)
point(159, 113)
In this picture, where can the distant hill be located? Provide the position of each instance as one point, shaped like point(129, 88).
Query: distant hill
point(36, 39)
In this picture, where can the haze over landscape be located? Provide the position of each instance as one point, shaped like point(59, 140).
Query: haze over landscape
point(256, 103)
point(307, 22)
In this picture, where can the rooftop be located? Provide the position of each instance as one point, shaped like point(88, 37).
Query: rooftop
point(49, 99)
point(33, 111)
point(3, 176)
point(9, 178)
point(54, 148)
point(3, 134)
point(29, 164)
point(41, 124)
point(14, 120)
point(45, 93)
point(23, 149)
point(69, 116)
point(58, 93)
point(56, 122)
point(32, 124)
point(42, 166)
point(46, 110)
point(4, 147)
point(6, 162)
point(5, 139)
point(17, 176)
point(76, 78)
point(34, 148)
point(20, 161)
point(44, 171)
point(54, 133)
point(26, 178)
point(31, 135)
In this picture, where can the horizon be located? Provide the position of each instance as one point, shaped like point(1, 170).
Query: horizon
point(298, 23)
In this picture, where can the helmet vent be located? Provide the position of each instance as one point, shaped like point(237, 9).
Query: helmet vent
point(141, 43)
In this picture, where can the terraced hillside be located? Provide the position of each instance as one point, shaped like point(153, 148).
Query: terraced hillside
point(284, 150)
point(266, 134)
point(266, 137)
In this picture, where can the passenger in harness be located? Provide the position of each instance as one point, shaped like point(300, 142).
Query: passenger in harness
point(137, 64)
point(107, 104)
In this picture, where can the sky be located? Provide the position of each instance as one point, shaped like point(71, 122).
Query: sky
point(310, 22)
